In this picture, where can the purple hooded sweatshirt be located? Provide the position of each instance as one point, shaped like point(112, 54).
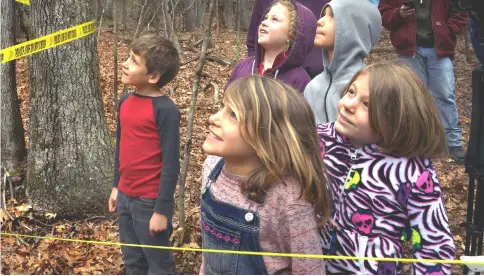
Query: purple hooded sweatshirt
point(290, 71)
point(312, 64)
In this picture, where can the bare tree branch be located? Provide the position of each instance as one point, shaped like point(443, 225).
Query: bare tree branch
point(189, 7)
point(173, 37)
point(136, 3)
point(140, 20)
point(191, 116)
point(221, 61)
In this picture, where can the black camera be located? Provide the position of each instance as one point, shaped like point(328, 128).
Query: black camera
point(409, 3)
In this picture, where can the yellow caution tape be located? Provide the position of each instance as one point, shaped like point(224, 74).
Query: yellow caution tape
point(272, 254)
point(45, 42)
point(25, 2)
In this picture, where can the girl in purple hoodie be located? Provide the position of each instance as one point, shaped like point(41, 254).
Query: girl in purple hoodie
point(284, 39)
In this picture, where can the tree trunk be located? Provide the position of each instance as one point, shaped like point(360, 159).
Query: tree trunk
point(23, 20)
point(229, 15)
point(191, 116)
point(115, 54)
point(244, 12)
point(123, 14)
point(98, 9)
point(12, 132)
point(107, 6)
point(169, 25)
point(140, 19)
point(200, 11)
point(190, 15)
point(217, 17)
point(70, 162)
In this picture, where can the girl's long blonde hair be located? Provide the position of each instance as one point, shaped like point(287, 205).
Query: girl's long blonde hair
point(279, 124)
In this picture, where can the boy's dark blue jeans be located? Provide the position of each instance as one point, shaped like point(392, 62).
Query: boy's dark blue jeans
point(134, 216)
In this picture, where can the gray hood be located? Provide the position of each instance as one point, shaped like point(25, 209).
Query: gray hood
point(358, 27)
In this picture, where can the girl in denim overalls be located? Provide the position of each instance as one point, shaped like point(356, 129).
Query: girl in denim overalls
point(263, 182)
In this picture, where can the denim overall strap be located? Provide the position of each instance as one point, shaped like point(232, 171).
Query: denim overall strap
point(227, 227)
point(216, 170)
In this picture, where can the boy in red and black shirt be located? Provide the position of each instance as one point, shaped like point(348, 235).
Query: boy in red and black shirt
point(147, 156)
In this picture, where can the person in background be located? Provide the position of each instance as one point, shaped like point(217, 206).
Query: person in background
point(436, 24)
point(346, 33)
point(284, 39)
point(477, 38)
point(312, 63)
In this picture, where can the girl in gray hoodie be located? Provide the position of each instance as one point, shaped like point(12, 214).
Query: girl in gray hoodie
point(346, 33)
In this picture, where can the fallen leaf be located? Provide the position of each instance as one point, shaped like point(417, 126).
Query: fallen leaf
point(23, 208)
point(50, 215)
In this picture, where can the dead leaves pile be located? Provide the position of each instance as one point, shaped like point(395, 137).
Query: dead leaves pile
point(25, 255)
point(41, 256)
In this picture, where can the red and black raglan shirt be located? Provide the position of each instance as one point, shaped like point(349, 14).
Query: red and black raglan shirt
point(148, 149)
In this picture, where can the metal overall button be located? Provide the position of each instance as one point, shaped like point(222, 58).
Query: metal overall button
point(249, 217)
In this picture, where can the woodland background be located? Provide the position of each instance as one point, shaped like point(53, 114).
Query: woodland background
point(59, 119)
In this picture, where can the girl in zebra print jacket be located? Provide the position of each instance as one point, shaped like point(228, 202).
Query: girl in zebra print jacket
point(384, 184)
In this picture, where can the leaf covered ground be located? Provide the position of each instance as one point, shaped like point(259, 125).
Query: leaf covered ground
point(41, 256)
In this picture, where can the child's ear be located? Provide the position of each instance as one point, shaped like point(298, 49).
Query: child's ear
point(154, 77)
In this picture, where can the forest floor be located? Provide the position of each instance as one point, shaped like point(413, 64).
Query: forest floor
point(41, 256)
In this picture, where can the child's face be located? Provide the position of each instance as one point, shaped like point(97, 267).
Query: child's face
point(274, 29)
point(325, 32)
point(353, 118)
point(225, 139)
point(134, 71)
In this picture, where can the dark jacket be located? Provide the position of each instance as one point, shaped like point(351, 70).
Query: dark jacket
point(312, 64)
point(447, 23)
point(476, 43)
point(290, 71)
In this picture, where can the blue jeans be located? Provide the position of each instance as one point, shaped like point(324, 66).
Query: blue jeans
point(229, 228)
point(134, 216)
point(437, 74)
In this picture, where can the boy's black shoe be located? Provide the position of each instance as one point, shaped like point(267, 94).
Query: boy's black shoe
point(457, 154)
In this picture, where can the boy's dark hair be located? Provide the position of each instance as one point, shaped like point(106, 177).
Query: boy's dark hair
point(160, 55)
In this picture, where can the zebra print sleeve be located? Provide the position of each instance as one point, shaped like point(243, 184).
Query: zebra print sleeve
point(428, 227)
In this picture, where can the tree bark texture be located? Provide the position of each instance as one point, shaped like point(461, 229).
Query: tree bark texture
point(244, 13)
point(229, 17)
point(200, 11)
point(190, 16)
point(142, 14)
point(115, 55)
point(169, 24)
point(12, 132)
point(70, 162)
point(107, 6)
